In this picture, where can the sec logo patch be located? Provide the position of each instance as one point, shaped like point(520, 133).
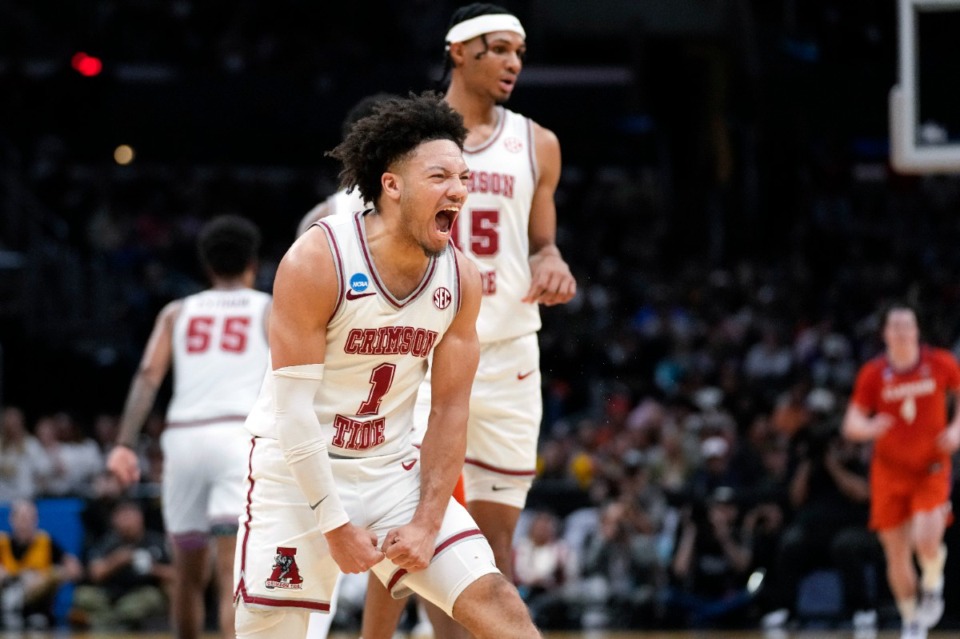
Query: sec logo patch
point(442, 298)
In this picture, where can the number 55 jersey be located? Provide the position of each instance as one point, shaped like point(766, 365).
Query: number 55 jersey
point(219, 357)
point(220, 354)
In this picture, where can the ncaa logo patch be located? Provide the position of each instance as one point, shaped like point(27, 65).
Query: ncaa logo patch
point(359, 282)
point(442, 298)
point(513, 144)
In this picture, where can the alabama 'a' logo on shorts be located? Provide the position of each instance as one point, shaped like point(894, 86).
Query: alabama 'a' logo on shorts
point(286, 573)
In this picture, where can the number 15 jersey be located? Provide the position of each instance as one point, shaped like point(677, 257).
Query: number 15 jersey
point(493, 228)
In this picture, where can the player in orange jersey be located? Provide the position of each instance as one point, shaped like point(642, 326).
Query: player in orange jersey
point(900, 403)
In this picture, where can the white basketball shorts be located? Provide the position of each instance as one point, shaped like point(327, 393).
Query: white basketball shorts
point(203, 480)
point(506, 408)
point(282, 558)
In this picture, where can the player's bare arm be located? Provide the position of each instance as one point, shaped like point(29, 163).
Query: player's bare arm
point(949, 439)
point(304, 297)
point(444, 444)
point(552, 282)
point(153, 368)
point(860, 427)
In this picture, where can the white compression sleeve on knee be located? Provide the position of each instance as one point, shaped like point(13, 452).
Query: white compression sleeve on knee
point(302, 442)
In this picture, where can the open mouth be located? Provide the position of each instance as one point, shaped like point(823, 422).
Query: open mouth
point(444, 220)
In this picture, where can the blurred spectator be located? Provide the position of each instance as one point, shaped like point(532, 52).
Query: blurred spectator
point(791, 414)
point(714, 471)
point(24, 465)
point(32, 567)
point(644, 502)
point(553, 461)
point(835, 367)
point(768, 360)
point(711, 564)
point(129, 573)
point(542, 565)
point(558, 486)
point(765, 495)
point(747, 455)
point(620, 572)
point(670, 465)
point(829, 492)
point(105, 428)
point(75, 459)
point(105, 493)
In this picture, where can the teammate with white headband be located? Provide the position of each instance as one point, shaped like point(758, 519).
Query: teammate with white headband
point(508, 229)
point(473, 27)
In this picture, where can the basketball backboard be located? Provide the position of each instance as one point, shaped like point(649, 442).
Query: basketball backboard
point(924, 113)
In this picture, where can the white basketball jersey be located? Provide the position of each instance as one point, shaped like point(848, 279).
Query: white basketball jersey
point(493, 227)
point(220, 353)
point(377, 348)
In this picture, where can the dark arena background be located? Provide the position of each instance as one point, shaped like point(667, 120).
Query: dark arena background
point(728, 205)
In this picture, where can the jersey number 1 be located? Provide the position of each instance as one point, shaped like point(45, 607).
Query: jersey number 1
point(381, 379)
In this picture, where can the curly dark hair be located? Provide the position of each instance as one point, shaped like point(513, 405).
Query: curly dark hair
point(397, 127)
point(361, 109)
point(228, 244)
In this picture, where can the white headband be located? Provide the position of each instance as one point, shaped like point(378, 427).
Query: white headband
point(469, 29)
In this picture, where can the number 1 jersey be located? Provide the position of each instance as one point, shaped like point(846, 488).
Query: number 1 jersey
point(377, 348)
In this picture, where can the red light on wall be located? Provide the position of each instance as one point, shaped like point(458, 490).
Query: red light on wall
point(86, 65)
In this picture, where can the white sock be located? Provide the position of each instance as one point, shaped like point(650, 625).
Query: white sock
point(907, 608)
point(932, 570)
